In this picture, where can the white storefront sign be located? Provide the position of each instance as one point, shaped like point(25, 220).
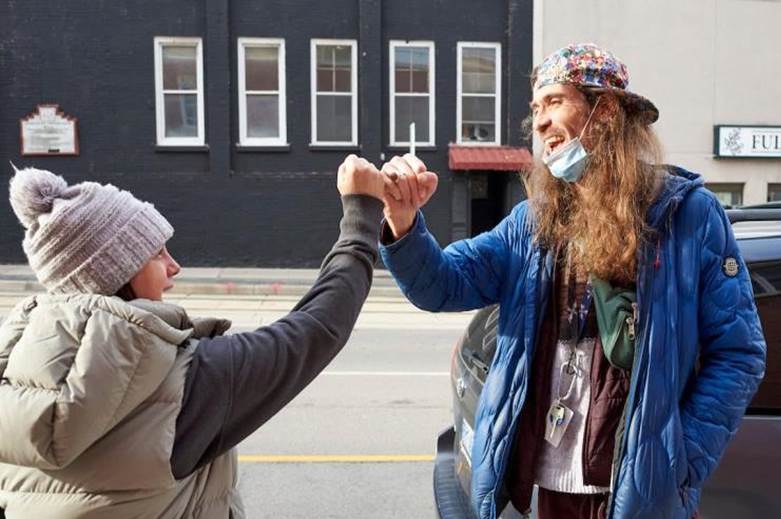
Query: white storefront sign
point(48, 131)
point(747, 141)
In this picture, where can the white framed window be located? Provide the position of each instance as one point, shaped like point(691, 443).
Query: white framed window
point(262, 106)
point(334, 86)
point(411, 91)
point(479, 93)
point(179, 91)
point(730, 194)
point(774, 192)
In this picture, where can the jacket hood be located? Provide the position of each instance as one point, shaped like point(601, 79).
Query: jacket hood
point(677, 183)
point(72, 367)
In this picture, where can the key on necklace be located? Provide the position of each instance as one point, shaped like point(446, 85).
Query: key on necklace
point(556, 418)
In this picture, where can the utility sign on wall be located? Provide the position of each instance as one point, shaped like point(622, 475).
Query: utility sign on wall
point(747, 141)
point(48, 131)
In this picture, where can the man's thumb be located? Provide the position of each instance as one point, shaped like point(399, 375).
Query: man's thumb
point(427, 185)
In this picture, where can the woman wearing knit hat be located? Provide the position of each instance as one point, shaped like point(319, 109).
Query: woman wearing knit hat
point(115, 404)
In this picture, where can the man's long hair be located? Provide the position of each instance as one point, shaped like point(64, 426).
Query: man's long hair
point(603, 215)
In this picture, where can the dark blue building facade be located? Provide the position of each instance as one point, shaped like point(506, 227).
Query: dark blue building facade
point(237, 192)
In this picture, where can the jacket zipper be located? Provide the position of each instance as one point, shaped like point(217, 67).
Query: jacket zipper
point(631, 322)
point(640, 328)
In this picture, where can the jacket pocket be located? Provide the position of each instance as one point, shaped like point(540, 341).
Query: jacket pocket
point(681, 459)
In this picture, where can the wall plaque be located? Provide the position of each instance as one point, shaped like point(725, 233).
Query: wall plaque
point(747, 141)
point(48, 131)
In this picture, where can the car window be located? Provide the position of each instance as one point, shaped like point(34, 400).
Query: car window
point(766, 279)
point(479, 344)
point(488, 344)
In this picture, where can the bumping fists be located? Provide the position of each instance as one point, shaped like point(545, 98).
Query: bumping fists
point(404, 185)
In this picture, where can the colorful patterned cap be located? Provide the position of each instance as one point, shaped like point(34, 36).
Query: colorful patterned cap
point(586, 65)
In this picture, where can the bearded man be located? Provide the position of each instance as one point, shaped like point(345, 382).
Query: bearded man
point(629, 345)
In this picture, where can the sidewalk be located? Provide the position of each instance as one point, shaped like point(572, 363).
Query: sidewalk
point(218, 281)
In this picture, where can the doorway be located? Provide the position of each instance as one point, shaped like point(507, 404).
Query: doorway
point(489, 199)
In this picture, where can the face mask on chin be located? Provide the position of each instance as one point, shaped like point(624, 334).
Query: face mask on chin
point(569, 162)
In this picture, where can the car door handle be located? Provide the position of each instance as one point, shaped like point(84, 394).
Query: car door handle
point(478, 363)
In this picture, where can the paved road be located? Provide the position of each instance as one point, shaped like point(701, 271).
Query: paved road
point(386, 395)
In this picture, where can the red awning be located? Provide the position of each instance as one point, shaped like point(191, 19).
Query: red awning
point(498, 158)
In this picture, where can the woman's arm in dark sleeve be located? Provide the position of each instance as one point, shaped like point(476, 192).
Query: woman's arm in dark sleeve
point(236, 383)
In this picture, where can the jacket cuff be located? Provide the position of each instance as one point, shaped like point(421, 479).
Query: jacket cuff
point(386, 235)
point(409, 251)
point(361, 218)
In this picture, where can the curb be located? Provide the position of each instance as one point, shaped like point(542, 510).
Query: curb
point(193, 287)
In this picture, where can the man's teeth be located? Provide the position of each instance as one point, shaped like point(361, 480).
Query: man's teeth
point(553, 142)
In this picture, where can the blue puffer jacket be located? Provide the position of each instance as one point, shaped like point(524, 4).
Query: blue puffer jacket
point(678, 420)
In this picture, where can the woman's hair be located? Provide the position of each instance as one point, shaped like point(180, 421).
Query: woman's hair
point(126, 292)
point(603, 215)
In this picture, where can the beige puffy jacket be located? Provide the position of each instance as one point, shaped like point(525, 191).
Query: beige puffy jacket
point(90, 388)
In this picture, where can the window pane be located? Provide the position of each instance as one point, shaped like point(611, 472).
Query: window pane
point(342, 67)
point(726, 198)
point(478, 132)
point(181, 115)
point(263, 116)
point(478, 109)
point(479, 71)
point(342, 55)
point(419, 81)
point(728, 194)
point(774, 192)
point(420, 69)
point(324, 55)
point(342, 79)
point(412, 109)
point(325, 68)
point(334, 118)
point(478, 122)
point(325, 80)
point(403, 81)
point(262, 68)
point(402, 71)
point(334, 68)
point(411, 69)
point(179, 68)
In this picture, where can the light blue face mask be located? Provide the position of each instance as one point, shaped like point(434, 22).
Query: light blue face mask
point(569, 162)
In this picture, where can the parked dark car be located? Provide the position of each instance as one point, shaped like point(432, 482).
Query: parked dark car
point(746, 484)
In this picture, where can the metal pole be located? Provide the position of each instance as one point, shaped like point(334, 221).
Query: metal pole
point(412, 138)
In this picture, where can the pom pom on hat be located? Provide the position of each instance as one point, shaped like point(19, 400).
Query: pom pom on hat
point(32, 193)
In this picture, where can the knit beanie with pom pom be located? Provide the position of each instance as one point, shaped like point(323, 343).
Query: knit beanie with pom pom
point(87, 237)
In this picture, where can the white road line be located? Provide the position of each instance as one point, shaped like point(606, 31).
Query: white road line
point(387, 373)
point(338, 458)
